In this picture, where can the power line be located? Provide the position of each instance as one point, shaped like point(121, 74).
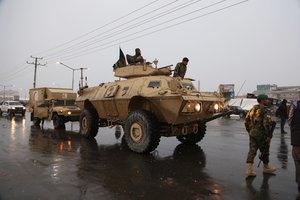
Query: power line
point(13, 73)
point(164, 28)
point(35, 63)
point(130, 27)
point(92, 50)
point(69, 49)
point(16, 73)
point(143, 30)
point(107, 24)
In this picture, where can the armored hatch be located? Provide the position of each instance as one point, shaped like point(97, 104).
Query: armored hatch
point(132, 71)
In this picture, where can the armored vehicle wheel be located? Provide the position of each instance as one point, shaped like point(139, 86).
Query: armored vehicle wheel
point(141, 131)
point(58, 122)
point(89, 123)
point(193, 138)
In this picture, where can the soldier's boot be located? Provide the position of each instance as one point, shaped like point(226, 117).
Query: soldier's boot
point(249, 170)
point(269, 169)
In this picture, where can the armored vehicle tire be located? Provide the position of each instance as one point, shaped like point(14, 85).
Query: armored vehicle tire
point(58, 122)
point(88, 123)
point(193, 138)
point(141, 131)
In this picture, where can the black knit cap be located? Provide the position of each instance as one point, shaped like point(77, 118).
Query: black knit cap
point(185, 59)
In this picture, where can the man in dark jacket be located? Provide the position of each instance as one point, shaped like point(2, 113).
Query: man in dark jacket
point(180, 68)
point(294, 122)
point(282, 113)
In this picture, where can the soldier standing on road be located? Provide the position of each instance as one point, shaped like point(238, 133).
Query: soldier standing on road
point(282, 112)
point(294, 122)
point(258, 125)
point(180, 68)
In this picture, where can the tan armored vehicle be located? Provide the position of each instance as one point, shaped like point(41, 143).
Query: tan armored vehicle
point(148, 104)
point(57, 104)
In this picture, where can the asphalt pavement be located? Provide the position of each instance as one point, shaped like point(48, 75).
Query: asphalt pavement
point(59, 164)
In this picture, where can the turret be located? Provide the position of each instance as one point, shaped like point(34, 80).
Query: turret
point(131, 71)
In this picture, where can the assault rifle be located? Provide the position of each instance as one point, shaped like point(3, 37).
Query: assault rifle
point(266, 145)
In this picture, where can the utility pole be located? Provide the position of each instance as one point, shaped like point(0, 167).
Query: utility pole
point(71, 68)
point(35, 63)
point(5, 86)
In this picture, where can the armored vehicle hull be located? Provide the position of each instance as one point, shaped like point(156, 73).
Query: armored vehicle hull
point(148, 107)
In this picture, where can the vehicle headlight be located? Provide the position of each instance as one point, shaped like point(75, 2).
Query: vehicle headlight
point(192, 107)
point(69, 112)
point(197, 107)
point(216, 107)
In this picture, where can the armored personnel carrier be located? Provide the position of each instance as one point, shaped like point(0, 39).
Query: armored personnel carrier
point(148, 103)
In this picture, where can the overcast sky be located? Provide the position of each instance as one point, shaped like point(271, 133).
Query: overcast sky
point(234, 41)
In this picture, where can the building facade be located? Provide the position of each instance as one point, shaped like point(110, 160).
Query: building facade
point(289, 93)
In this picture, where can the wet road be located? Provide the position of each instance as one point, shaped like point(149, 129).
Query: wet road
point(51, 164)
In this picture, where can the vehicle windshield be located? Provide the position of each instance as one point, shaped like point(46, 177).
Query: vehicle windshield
point(59, 103)
point(15, 103)
point(187, 85)
point(70, 102)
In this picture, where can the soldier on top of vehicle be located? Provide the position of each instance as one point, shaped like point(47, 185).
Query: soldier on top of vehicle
point(180, 68)
point(136, 59)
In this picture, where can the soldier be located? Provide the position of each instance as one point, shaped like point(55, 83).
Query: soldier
point(282, 112)
point(136, 59)
point(258, 125)
point(180, 68)
point(294, 122)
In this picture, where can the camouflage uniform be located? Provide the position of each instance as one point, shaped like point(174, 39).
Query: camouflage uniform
point(180, 70)
point(257, 124)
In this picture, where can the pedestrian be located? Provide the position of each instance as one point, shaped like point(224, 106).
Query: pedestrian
point(258, 125)
point(180, 68)
point(294, 122)
point(282, 113)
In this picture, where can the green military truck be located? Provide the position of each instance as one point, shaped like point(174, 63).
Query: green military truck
point(56, 104)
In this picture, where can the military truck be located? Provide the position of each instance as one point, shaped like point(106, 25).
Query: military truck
point(56, 104)
point(148, 103)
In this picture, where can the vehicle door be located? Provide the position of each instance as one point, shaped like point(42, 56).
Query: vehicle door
point(41, 109)
point(109, 101)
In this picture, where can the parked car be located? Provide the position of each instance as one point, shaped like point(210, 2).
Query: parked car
point(240, 106)
point(12, 108)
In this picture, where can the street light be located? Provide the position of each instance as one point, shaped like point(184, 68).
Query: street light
point(5, 86)
point(73, 69)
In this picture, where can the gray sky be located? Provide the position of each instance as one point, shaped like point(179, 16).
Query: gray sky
point(256, 41)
